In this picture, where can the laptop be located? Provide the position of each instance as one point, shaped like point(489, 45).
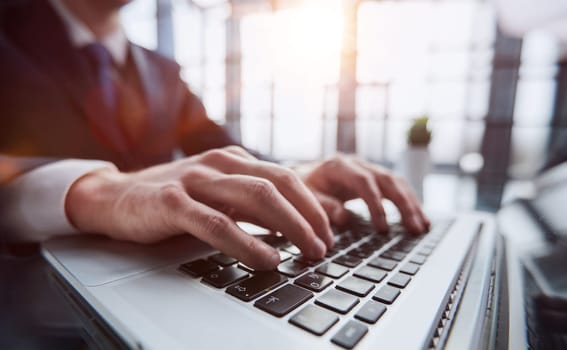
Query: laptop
point(394, 291)
point(535, 236)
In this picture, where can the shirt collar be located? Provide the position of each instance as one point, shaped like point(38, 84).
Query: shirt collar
point(116, 42)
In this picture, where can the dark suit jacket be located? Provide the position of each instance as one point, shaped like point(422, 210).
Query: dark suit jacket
point(43, 98)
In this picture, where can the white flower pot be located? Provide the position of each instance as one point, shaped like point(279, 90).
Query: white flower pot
point(414, 164)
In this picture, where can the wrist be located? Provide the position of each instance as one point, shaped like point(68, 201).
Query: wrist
point(90, 197)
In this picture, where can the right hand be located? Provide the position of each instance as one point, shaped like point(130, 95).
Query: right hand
point(204, 195)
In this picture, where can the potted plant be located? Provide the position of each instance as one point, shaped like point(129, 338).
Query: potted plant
point(415, 161)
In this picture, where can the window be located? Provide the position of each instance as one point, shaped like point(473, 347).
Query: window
point(275, 67)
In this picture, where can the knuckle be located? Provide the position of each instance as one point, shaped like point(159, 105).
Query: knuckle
point(363, 180)
point(215, 155)
point(195, 172)
point(334, 163)
point(216, 225)
point(401, 181)
point(172, 195)
point(236, 149)
point(262, 189)
point(390, 179)
point(287, 177)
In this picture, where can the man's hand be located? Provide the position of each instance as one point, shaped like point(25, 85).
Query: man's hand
point(204, 195)
point(346, 177)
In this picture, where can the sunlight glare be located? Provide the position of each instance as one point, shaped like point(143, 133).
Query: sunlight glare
point(307, 42)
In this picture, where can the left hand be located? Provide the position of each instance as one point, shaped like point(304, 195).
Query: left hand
point(344, 177)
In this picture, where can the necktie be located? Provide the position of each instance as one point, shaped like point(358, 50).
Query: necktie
point(102, 99)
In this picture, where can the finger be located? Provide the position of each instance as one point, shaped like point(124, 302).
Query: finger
point(362, 182)
point(216, 229)
point(297, 193)
point(333, 207)
point(401, 195)
point(239, 151)
point(260, 199)
point(288, 184)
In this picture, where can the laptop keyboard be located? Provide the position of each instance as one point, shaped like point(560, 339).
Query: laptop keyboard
point(361, 263)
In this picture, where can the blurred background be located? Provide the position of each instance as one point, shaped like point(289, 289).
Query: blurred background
point(299, 80)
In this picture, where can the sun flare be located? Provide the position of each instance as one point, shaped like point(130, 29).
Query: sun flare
point(307, 43)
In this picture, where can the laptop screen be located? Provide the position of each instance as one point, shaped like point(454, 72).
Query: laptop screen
point(551, 208)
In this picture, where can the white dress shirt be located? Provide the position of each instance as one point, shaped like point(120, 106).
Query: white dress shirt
point(80, 35)
point(37, 198)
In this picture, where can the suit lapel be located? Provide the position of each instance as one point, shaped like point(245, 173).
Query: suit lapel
point(150, 79)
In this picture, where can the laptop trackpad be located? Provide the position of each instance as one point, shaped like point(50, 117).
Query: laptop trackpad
point(96, 260)
point(197, 316)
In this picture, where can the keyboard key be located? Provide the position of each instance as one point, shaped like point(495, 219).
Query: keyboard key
point(367, 247)
point(429, 245)
point(314, 319)
point(284, 256)
point(410, 268)
point(342, 245)
point(283, 300)
point(376, 245)
point(355, 286)
point(386, 294)
point(222, 259)
point(332, 270)
point(394, 255)
point(224, 277)
point(256, 285)
point(313, 281)
point(383, 264)
point(348, 261)
point(425, 251)
point(360, 253)
point(292, 268)
point(371, 312)
point(245, 267)
point(399, 280)
point(276, 240)
point(404, 247)
point(418, 259)
point(350, 334)
point(331, 252)
point(292, 249)
point(337, 301)
point(370, 273)
point(305, 261)
point(198, 268)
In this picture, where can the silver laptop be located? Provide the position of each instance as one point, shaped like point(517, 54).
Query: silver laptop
point(372, 291)
point(535, 233)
